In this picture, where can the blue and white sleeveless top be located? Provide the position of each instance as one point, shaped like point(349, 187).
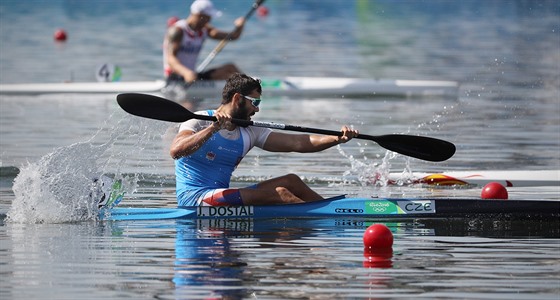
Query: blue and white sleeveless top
point(212, 165)
point(190, 47)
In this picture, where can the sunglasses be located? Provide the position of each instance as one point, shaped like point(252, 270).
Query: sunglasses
point(254, 101)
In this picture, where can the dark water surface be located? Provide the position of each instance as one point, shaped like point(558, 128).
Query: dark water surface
point(505, 55)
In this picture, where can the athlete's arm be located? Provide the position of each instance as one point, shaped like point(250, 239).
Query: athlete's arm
point(187, 142)
point(217, 34)
point(283, 142)
point(174, 37)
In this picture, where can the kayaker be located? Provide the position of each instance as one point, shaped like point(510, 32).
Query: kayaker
point(182, 45)
point(206, 153)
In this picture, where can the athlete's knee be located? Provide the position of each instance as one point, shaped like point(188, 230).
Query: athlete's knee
point(282, 190)
point(286, 196)
point(293, 176)
point(291, 179)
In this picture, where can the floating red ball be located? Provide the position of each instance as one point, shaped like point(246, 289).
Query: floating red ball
point(378, 258)
point(494, 190)
point(262, 11)
point(60, 35)
point(378, 236)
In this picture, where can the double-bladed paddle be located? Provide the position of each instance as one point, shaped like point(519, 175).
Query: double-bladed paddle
point(154, 107)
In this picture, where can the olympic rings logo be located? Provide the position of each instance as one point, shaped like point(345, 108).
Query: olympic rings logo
point(379, 209)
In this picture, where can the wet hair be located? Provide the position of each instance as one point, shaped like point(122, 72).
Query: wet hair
point(240, 83)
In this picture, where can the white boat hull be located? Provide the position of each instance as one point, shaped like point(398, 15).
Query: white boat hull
point(287, 86)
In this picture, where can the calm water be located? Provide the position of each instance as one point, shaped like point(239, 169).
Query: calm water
point(505, 54)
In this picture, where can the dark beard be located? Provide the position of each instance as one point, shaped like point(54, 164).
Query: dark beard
point(241, 112)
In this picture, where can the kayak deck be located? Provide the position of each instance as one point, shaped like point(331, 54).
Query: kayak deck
point(372, 209)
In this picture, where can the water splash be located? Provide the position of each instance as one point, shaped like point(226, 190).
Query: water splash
point(57, 188)
point(374, 173)
point(60, 186)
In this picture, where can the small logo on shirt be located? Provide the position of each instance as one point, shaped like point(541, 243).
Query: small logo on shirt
point(210, 155)
point(231, 150)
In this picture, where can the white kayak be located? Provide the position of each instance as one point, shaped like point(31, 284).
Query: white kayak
point(508, 178)
point(337, 87)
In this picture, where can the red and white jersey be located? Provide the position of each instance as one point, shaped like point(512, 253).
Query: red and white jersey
point(190, 47)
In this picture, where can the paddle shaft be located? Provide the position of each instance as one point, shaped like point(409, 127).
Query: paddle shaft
point(245, 123)
point(154, 107)
point(223, 42)
point(420, 147)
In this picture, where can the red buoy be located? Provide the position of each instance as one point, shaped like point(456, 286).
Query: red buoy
point(378, 236)
point(262, 11)
point(60, 35)
point(378, 258)
point(494, 190)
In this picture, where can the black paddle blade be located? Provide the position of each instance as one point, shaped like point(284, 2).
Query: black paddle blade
point(153, 107)
point(420, 147)
point(157, 108)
